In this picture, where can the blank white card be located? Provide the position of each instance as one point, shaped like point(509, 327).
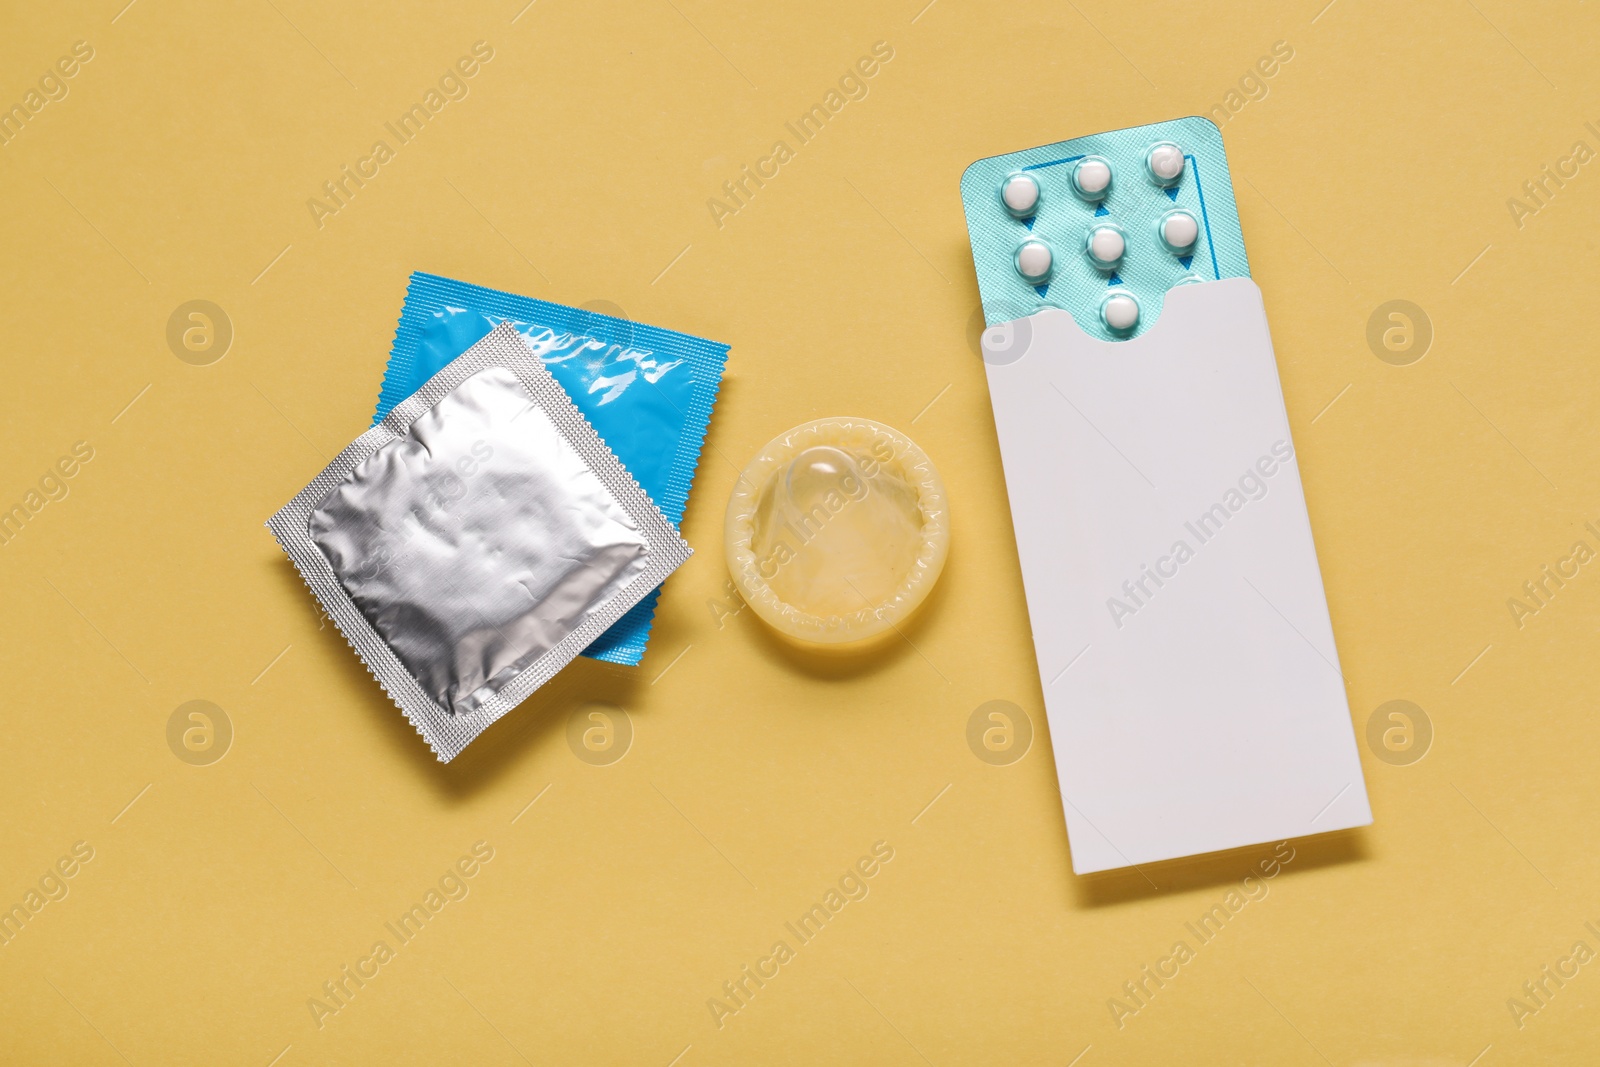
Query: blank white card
point(1190, 677)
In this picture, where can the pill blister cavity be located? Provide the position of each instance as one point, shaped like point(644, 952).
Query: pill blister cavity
point(1020, 195)
point(1106, 246)
point(1034, 261)
point(1120, 312)
point(1179, 230)
point(1165, 162)
point(1091, 178)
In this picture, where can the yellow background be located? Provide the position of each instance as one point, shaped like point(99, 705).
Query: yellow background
point(1377, 167)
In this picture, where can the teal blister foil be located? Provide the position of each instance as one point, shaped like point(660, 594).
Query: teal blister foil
point(648, 392)
point(1135, 201)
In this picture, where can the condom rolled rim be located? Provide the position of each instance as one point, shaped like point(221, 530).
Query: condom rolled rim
point(884, 449)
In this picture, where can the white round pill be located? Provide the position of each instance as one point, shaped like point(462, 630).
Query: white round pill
point(1165, 161)
point(1091, 177)
point(1179, 231)
point(1020, 194)
point(1106, 246)
point(1120, 311)
point(1034, 260)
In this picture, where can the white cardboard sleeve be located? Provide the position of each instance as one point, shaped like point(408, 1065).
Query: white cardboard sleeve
point(1190, 678)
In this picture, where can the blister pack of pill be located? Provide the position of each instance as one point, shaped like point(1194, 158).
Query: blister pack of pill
point(1104, 226)
point(1185, 650)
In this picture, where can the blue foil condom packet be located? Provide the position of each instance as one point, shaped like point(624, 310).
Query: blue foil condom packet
point(648, 392)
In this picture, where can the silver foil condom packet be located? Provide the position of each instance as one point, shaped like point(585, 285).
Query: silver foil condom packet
point(476, 540)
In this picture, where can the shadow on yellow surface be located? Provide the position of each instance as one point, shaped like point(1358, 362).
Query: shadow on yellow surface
point(1217, 868)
